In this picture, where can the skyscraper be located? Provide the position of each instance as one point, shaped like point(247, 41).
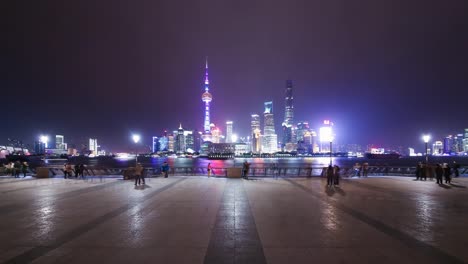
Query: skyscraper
point(288, 122)
point(229, 132)
point(59, 142)
point(156, 144)
point(289, 110)
point(180, 140)
point(465, 140)
point(255, 133)
point(93, 146)
point(207, 98)
point(270, 139)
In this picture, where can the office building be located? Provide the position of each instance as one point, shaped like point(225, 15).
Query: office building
point(229, 132)
point(270, 139)
point(93, 146)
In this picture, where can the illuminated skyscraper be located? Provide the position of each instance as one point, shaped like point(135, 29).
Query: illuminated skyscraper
point(207, 98)
point(93, 146)
point(180, 140)
point(270, 139)
point(255, 133)
point(288, 115)
point(60, 142)
point(229, 132)
point(465, 140)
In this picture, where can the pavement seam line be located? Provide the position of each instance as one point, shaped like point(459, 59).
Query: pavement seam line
point(406, 239)
point(41, 250)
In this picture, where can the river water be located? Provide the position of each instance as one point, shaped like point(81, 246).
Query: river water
point(112, 162)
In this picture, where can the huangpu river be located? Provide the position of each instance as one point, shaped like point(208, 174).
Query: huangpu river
point(290, 162)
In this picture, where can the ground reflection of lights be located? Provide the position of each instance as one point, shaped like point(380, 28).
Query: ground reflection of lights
point(329, 217)
point(425, 206)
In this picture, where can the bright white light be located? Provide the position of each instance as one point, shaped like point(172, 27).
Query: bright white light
point(44, 139)
point(426, 138)
point(136, 138)
point(326, 134)
point(234, 138)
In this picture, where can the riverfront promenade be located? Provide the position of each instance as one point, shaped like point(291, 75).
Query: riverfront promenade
point(218, 220)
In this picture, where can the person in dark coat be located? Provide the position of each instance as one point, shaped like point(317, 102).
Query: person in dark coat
point(336, 175)
point(419, 171)
point(439, 173)
point(447, 173)
point(456, 166)
point(24, 168)
point(330, 176)
point(245, 169)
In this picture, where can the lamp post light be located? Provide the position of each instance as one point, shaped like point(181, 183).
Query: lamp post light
point(426, 139)
point(136, 138)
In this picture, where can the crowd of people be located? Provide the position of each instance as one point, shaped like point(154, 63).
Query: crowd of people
point(77, 169)
point(16, 168)
point(442, 171)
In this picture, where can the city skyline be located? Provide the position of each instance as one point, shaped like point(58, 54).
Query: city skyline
point(384, 73)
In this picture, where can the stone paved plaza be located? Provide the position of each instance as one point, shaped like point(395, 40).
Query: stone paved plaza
point(219, 220)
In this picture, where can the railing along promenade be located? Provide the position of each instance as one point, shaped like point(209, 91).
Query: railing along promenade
point(311, 171)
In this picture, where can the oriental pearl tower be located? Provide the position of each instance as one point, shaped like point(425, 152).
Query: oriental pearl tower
point(206, 98)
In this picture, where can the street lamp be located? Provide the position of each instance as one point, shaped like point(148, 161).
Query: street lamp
point(426, 139)
point(136, 138)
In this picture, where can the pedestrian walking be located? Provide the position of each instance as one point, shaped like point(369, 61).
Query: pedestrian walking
point(336, 175)
point(439, 173)
point(138, 174)
point(447, 173)
point(208, 169)
point(165, 169)
point(245, 169)
point(456, 168)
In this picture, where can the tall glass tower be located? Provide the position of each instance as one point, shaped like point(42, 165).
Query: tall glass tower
point(207, 98)
point(289, 111)
point(288, 115)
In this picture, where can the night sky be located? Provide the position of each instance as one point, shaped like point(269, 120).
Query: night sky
point(384, 71)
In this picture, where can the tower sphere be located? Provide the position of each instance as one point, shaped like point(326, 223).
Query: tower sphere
point(206, 97)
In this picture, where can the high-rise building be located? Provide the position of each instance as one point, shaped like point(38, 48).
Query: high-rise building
point(458, 143)
point(207, 98)
point(465, 141)
point(229, 132)
point(39, 147)
point(326, 136)
point(288, 115)
point(93, 146)
point(59, 142)
point(164, 143)
point(215, 134)
point(189, 141)
point(448, 142)
point(156, 144)
point(255, 131)
point(270, 139)
point(179, 146)
point(197, 140)
point(437, 148)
